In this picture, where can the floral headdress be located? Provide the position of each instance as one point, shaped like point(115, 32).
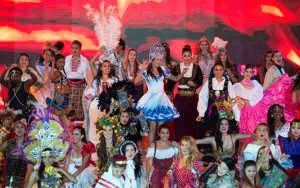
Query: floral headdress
point(242, 68)
point(46, 133)
point(108, 121)
point(224, 107)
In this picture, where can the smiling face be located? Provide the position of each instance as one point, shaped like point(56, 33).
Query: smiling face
point(250, 172)
point(132, 55)
point(277, 113)
point(262, 132)
point(222, 169)
point(204, 46)
point(48, 160)
point(129, 152)
point(77, 136)
point(248, 74)
point(277, 59)
point(185, 147)
point(23, 62)
point(105, 67)
point(224, 126)
point(186, 56)
point(124, 118)
point(108, 132)
point(157, 61)
point(218, 71)
point(164, 134)
point(47, 56)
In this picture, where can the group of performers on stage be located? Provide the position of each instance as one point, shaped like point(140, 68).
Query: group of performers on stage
point(77, 123)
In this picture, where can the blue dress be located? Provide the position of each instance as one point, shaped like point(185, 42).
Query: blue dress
point(155, 104)
point(287, 148)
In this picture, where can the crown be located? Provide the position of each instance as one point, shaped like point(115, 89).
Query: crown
point(202, 39)
point(156, 51)
point(45, 133)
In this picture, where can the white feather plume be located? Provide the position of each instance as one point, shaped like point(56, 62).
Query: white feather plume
point(107, 25)
point(219, 43)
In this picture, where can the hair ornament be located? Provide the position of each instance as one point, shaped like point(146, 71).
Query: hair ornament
point(242, 68)
point(156, 51)
point(107, 121)
point(128, 142)
point(46, 133)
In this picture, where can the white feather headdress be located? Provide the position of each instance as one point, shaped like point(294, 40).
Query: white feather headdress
point(219, 43)
point(107, 25)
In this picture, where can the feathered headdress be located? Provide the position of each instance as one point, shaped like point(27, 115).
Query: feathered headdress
point(106, 24)
point(219, 43)
point(46, 133)
point(156, 50)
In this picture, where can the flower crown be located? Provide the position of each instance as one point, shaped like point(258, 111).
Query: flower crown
point(108, 121)
point(242, 68)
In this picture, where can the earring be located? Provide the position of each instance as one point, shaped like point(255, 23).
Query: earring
point(272, 115)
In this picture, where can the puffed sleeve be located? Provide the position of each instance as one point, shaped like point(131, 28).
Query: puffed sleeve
point(166, 71)
point(88, 148)
point(150, 152)
point(235, 107)
point(145, 75)
point(203, 100)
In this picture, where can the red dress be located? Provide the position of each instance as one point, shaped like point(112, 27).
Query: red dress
point(160, 169)
point(184, 178)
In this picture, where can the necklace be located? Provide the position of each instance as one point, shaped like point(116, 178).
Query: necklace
point(247, 82)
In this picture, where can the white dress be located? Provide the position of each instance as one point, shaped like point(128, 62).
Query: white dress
point(155, 104)
point(85, 178)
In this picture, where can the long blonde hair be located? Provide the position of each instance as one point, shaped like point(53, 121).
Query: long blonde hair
point(194, 153)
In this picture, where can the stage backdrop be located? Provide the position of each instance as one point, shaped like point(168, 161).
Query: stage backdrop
point(250, 27)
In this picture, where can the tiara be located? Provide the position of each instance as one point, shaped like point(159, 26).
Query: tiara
point(45, 133)
point(203, 39)
point(128, 142)
point(156, 51)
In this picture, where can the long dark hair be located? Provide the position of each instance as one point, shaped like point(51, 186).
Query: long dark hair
point(169, 59)
point(271, 119)
point(245, 178)
point(111, 73)
point(42, 169)
point(272, 162)
point(218, 134)
point(150, 69)
point(138, 163)
point(82, 132)
point(101, 147)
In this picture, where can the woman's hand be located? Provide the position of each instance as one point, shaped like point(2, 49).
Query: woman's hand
point(191, 83)
point(199, 118)
point(36, 167)
point(145, 64)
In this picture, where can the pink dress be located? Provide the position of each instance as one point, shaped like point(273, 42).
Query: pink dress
point(182, 177)
point(278, 93)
